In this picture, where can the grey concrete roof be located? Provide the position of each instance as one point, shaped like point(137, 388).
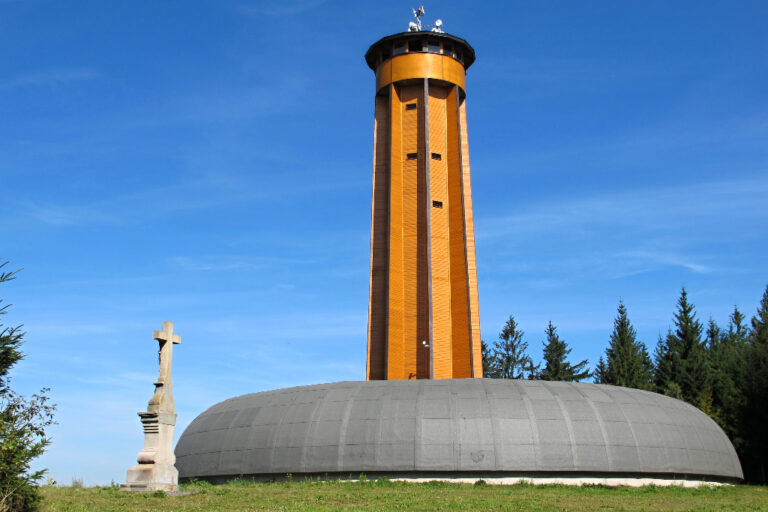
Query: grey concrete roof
point(458, 425)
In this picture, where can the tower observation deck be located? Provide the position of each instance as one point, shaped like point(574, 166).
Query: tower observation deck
point(423, 317)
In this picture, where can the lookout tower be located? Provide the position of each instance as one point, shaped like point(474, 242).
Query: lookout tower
point(423, 324)
point(423, 316)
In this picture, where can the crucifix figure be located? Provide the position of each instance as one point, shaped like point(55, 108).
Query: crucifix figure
point(162, 401)
point(155, 469)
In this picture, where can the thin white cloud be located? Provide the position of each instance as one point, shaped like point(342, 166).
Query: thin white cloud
point(259, 100)
point(122, 380)
point(74, 329)
point(212, 264)
point(207, 191)
point(262, 331)
point(49, 77)
point(226, 263)
point(278, 7)
point(644, 146)
point(59, 215)
point(613, 236)
point(660, 209)
point(643, 257)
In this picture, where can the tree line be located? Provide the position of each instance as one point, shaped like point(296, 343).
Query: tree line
point(722, 370)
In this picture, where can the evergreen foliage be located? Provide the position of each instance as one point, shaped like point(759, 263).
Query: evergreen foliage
point(627, 362)
point(22, 426)
point(726, 361)
point(556, 364)
point(600, 371)
point(681, 358)
point(724, 372)
point(755, 391)
point(509, 359)
point(662, 368)
point(485, 353)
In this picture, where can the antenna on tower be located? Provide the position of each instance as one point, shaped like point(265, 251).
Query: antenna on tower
point(417, 13)
point(416, 26)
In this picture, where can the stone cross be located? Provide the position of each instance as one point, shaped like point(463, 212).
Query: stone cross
point(156, 470)
point(162, 401)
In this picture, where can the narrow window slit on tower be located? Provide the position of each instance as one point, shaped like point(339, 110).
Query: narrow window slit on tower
point(437, 204)
point(415, 46)
point(412, 156)
point(437, 156)
point(410, 106)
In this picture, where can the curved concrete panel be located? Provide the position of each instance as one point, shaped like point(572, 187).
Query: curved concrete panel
point(456, 426)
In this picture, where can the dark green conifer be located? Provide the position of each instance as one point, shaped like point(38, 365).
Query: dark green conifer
point(662, 368)
point(726, 362)
point(627, 362)
point(556, 365)
point(600, 370)
point(755, 388)
point(509, 358)
point(488, 369)
point(681, 362)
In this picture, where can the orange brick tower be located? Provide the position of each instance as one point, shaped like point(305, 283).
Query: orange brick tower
point(423, 317)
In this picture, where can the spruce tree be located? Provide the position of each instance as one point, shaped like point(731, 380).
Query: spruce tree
point(755, 388)
point(694, 381)
point(738, 332)
point(681, 365)
point(509, 359)
point(715, 351)
point(600, 371)
point(662, 369)
point(556, 364)
point(627, 362)
point(726, 363)
point(713, 335)
point(485, 353)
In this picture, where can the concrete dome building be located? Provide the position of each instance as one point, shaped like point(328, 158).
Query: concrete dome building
point(472, 428)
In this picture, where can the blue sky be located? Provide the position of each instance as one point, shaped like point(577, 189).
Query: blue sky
point(210, 163)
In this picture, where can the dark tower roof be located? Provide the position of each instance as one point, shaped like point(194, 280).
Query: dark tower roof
point(466, 53)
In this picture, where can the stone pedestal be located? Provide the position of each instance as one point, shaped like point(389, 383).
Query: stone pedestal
point(155, 470)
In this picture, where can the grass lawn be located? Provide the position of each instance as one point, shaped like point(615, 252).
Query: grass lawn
point(386, 495)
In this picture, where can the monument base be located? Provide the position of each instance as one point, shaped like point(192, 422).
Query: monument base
point(152, 477)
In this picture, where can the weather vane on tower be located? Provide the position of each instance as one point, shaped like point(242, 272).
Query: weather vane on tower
point(415, 26)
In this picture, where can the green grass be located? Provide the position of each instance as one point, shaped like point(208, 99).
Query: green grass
point(385, 495)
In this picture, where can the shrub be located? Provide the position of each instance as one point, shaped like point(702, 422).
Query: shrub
point(22, 426)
